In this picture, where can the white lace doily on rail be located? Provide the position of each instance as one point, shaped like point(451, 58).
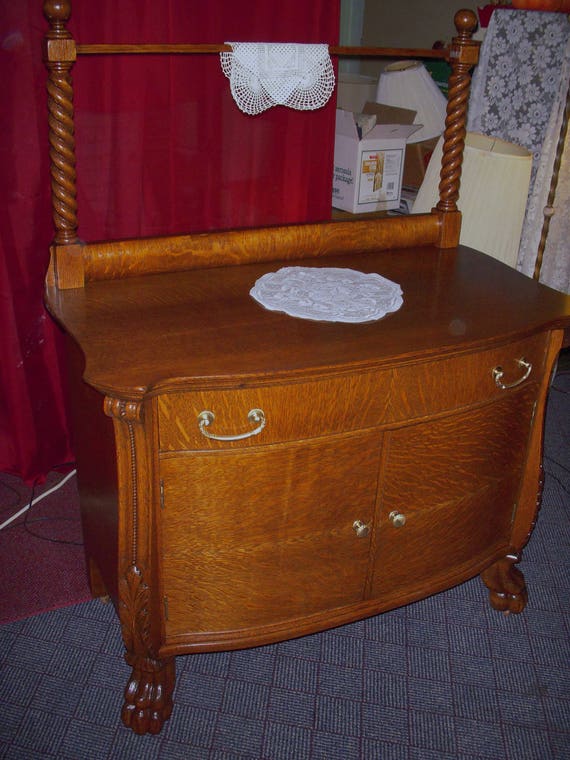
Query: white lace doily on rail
point(328, 294)
point(265, 74)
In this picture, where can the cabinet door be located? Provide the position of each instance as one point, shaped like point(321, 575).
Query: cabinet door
point(258, 536)
point(448, 496)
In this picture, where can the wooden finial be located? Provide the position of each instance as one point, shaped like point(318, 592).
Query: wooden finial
point(57, 12)
point(465, 22)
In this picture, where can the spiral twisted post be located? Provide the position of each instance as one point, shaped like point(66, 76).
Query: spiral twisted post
point(59, 57)
point(463, 55)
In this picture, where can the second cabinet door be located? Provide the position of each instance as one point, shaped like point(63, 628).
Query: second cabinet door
point(258, 536)
point(448, 496)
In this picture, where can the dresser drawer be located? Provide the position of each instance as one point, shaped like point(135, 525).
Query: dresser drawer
point(297, 411)
point(426, 389)
point(294, 412)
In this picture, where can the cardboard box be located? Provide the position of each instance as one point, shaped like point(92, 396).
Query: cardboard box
point(368, 171)
point(354, 91)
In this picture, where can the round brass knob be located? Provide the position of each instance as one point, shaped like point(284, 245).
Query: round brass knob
point(397, 519)
point(361, 529)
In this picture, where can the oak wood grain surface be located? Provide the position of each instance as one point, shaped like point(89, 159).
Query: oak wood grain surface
point(341, 403)
point(201, 327)
point(456, 480)
point(241, 559)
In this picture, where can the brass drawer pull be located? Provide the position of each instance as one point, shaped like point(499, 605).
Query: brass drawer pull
point(255, 416)
point(498, 374)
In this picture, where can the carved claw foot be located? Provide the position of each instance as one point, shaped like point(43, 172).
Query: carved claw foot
point(148, 694)
point(506, 584)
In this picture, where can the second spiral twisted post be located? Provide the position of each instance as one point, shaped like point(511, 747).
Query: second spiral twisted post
point(463, 55)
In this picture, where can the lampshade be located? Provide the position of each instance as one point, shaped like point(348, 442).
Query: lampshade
point(494, 187)
point(408, 84)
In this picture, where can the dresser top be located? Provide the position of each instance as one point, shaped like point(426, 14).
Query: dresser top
point(201, 327)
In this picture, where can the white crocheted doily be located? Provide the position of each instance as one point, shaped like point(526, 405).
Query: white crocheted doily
point(265, 74)
point(328, 294)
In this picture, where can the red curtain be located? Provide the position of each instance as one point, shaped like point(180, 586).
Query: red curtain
point(161, 148)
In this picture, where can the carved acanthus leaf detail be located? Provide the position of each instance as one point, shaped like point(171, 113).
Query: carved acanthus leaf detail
point(134, 612)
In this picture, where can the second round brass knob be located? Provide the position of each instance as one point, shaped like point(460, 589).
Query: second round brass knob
point(397, 519)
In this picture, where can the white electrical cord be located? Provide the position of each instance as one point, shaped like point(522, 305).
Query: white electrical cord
point(61, 483)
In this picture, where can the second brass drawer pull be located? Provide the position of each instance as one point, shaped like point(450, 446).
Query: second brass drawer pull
point(255, 416)
point(498, 374)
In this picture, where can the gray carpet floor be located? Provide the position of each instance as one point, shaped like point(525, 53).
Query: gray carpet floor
point(446, 678)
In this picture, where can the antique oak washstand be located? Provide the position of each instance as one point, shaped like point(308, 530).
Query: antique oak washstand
point(245, 476)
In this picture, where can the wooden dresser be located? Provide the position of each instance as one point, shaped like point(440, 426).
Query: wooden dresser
point(247, 476)
point(397, 458)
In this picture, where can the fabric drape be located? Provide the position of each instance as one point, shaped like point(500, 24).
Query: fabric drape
point(161, 149)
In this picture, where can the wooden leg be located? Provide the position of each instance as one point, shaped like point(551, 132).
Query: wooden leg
point(506, 584)
point(148, 694)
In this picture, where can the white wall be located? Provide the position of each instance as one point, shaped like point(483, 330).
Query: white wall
point(410, 23)
point(406, 23)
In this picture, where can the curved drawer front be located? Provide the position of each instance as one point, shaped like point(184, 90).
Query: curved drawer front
point(292, 412)
point(452, 383)
point(297, 411)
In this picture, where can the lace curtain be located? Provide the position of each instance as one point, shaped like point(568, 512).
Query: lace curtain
point(519, 94)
